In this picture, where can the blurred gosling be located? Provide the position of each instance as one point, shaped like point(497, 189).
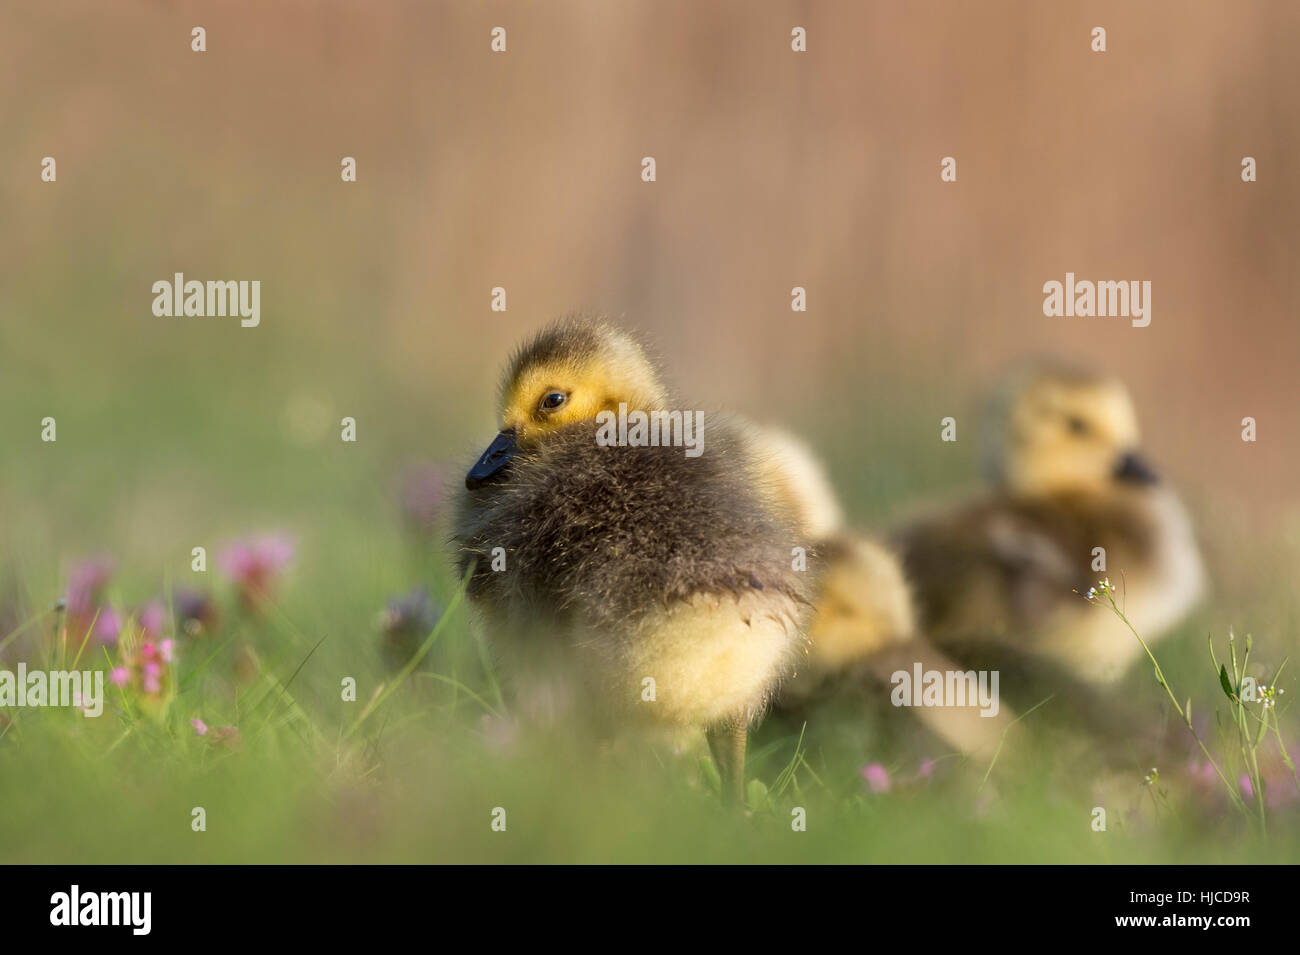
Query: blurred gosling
point(1002, 569)
point(863, 627)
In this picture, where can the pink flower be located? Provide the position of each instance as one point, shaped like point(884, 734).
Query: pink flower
point(255, 565)
point(119, 676)
point(86, 584)
point(200, 727)
point(153, 677)
point(927, 768)
point(1247, 789)
point(153, 618)
point(167, 649)
point(109, 625)
point(876, 777)
point(85, 600)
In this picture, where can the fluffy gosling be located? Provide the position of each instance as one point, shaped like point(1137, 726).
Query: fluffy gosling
point(662, 582)
point(1004, 568)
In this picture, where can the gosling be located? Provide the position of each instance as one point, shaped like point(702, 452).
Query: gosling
point(663, 582)
point(1071, 488)
point(863, 627)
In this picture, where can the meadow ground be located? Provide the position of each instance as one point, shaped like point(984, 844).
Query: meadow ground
point(412, 771)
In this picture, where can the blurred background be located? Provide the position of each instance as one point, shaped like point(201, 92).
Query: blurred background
point(522, 170)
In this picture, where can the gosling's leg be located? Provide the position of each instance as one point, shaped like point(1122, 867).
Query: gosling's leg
point(727, 744)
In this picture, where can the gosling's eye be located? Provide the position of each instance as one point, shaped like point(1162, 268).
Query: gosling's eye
point(1076, 425)
point(553, 399)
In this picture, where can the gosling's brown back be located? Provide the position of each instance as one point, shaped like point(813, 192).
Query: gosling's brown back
point(607, 534)
point(1002, 566)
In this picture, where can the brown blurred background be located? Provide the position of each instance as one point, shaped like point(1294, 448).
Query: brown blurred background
point(522, 170)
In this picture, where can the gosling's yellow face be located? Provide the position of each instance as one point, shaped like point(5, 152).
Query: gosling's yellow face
point(1072, 436)
point(546, 395)
point(569, 373)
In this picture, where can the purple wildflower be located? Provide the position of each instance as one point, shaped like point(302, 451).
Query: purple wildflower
point(876, 777)
point(254, 565)
point(109, 625)
point(85, 601)
point(153, 618)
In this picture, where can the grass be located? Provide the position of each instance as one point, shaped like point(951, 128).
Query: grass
point(412, 768)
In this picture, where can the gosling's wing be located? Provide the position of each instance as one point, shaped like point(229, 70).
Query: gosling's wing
point(993, 570)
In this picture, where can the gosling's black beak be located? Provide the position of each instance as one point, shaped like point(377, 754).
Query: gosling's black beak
point(1132, 468)
point(494, 459)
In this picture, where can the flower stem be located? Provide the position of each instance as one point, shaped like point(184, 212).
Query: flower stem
point(1160, 675)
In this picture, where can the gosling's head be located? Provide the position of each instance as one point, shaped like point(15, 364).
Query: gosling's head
point(570, 372)
point(1064, 430)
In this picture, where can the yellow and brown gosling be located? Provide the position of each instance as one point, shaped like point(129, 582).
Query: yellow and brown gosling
point(863, 628)
point(1070, 487)
point(661, 581)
